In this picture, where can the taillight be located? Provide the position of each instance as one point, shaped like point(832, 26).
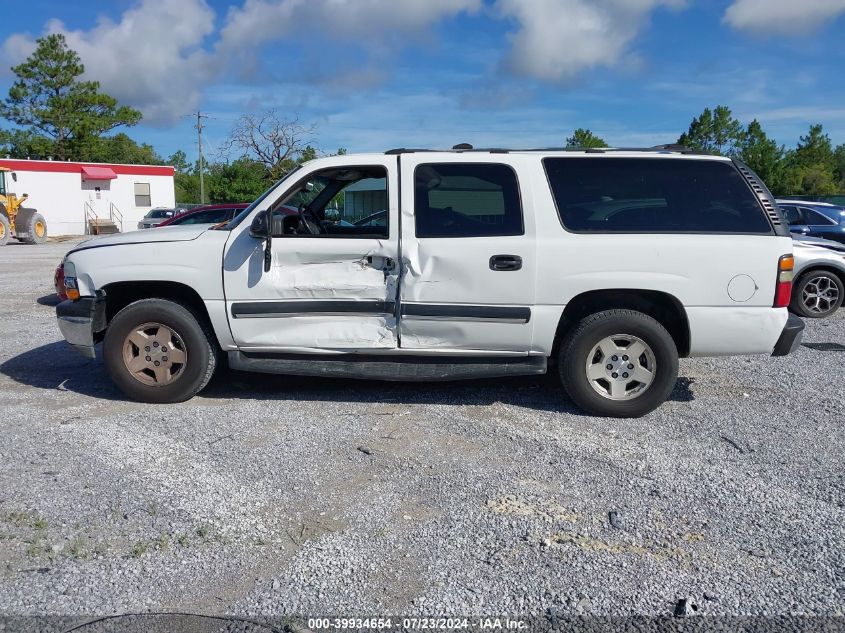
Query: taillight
point(783, 290)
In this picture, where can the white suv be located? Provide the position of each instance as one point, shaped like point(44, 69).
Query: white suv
point(604, 264)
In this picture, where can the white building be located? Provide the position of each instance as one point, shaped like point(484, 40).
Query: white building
point(70, 195)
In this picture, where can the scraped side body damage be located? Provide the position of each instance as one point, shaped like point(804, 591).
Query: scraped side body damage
point(358, 279)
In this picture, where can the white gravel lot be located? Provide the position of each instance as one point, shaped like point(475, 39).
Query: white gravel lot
point(485, 497)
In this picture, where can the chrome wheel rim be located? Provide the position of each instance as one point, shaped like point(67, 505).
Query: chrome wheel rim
point(820, 294)
point(621, 367)
point(154, 354)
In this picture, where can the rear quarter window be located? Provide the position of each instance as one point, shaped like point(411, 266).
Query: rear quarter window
point(653, 195)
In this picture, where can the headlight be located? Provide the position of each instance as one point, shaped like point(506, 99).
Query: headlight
point(72, 288)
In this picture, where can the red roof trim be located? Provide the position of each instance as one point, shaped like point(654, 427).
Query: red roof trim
point(56, 166)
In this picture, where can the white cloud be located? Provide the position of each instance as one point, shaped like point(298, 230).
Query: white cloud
point(150, 59)
point(782, 17)
point(363, 21)
point(558, 39)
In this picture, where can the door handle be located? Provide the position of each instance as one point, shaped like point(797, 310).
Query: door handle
point(505, 262)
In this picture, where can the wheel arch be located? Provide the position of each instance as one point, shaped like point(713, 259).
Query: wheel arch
point(120, 294)
point(828, 268)
point(662, 306)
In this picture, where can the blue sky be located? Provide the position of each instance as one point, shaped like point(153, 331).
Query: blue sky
point(375, 74)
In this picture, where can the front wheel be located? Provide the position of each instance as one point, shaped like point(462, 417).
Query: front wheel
point(5, 230)
point(618, 363)
point(157, 351)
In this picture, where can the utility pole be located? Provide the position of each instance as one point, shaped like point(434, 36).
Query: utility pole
point(199, 127)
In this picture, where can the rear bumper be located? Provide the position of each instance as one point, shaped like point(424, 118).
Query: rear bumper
point(790, 337)
point(79, 321)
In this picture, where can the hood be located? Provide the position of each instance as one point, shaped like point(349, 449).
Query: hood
point(178, 233)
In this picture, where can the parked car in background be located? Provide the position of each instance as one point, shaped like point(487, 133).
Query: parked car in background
point(209, 214)
point(818, 219)
point(839, 247)
point(157, 216)
point(378, 218)
point(217, 213)
point(819, 286)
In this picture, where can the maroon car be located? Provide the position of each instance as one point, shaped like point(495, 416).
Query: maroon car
point(209, 214)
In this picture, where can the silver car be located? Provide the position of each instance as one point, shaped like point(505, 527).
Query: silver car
point(157, 216)
point(819, 286)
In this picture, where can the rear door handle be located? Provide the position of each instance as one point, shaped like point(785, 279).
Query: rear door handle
point(505, 262)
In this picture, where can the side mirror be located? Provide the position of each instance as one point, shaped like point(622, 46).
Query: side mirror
point(14, 176)
point(260, 227)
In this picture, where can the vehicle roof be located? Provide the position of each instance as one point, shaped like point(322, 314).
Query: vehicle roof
point(209, 207)
point(808, 203)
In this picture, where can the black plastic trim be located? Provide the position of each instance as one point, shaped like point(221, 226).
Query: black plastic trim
point(81, 308)
point(390, 367)
point(667, 148)
point(269, 309)
point(790, 337)
point(469, 312)
point(764, 197)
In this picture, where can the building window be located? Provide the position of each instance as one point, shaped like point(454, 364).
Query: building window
point(142, 194)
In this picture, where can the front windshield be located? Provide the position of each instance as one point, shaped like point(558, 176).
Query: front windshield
point(243, 214)
point(160, 213)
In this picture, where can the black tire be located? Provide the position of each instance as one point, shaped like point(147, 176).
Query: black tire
point(32, 226)
point(200, 349)
point(576, 348)
point(5, 230)
point(797, 304)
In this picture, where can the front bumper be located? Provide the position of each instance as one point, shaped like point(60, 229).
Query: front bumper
point(790, 337)
point(80, 321)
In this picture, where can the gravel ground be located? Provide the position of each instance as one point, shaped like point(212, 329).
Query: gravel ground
point(273, 495)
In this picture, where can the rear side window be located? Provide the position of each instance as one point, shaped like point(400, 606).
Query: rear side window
point(466, 200)
point(653, 195)
point(815, 218)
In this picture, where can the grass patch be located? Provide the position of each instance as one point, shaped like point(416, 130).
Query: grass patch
point(162, 542)
point(25, 519)
point(77, 549)
point(139, 549)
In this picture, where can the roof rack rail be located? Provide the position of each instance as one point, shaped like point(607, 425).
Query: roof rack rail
point(466, 147)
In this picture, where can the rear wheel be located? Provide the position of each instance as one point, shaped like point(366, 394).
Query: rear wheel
point(618, 363)
point(157, 351)
point(5, 230)
point(817, 294)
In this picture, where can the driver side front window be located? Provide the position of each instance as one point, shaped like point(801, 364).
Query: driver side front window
point(339, 202)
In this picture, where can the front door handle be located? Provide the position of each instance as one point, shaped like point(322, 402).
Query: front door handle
point(505, 262)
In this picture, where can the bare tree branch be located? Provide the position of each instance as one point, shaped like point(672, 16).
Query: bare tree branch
point(268, 138)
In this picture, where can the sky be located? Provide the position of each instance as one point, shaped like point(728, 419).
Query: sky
point(375, 74)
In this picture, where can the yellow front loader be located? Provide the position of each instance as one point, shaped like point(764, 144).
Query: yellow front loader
point(25, 225)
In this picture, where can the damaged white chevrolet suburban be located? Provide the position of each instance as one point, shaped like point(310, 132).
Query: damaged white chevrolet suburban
point(607, 265)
